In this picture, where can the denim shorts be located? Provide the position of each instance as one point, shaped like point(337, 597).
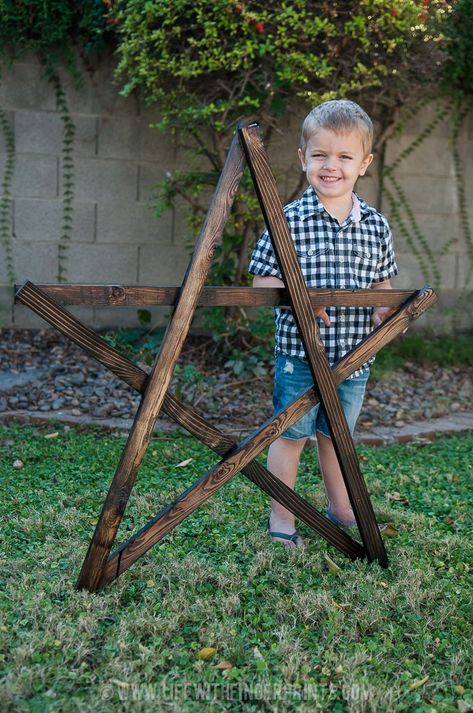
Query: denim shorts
point(292, 377)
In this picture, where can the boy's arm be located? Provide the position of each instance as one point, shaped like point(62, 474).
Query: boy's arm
point(270, 281)
point(381, 313)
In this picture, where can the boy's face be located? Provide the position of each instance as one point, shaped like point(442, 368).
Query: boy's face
point(332, 162)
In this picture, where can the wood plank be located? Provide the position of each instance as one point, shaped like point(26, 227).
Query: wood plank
point(71, 327)
point(96, 347)
point(161, 373)
point(119, 295)
point(239, 457)
point(283, 245)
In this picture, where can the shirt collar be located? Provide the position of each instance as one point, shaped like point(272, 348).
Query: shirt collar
point(309, 204)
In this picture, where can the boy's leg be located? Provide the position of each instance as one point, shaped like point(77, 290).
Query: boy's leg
point(351, 393)
point(283, 461)
point(337, 495)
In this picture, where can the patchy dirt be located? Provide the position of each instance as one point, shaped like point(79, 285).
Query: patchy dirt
point(42, 371)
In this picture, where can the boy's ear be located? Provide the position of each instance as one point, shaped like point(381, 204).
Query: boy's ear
point(301, 155)
point(365, 163)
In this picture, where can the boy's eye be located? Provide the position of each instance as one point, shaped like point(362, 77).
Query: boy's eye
point(347, 157)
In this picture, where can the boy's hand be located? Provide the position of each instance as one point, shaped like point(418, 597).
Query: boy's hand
point(322, 314)
point(380, 314)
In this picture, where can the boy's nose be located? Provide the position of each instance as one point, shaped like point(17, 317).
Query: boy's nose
point(328, 164)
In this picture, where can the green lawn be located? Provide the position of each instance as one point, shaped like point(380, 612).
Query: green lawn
point(289, 633)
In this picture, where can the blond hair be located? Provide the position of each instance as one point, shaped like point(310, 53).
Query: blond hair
point(340, 116)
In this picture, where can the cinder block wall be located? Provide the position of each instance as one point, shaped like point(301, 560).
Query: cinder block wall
point(118, 159)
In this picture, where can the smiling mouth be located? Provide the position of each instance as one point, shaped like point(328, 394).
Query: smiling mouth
point(329, 179)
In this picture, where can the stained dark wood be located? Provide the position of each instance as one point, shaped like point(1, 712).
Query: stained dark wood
point(99, 566)
point(188, 418)
point(167, 519)
point(283, 245)
point(161, 373)
point(119, 295)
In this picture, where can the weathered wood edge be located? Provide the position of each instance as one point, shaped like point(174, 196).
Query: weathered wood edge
point(162, 370)
point(249, 448)
point(184, 415)
point(127, 296)
point(100, 350)
point(284, 249)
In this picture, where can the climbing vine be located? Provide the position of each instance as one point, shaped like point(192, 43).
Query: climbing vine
point(57, 32)
point(455, 105)
point(6, 200)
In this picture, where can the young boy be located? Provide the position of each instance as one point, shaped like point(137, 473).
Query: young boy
point(341, 242)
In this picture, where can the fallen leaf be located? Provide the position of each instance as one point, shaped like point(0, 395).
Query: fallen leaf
point(150, 583)
point(224, 665)
point(459, 690)
point(183, 463)
point(52, 435)
point(18, 464)
point(339, 606)
point(257, 654)
point(206, 653)
point(397, 497)
point(332, 567)
point(417, 684)
point(121, 684)
point(388, 530)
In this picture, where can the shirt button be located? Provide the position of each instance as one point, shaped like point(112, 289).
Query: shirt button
point(310, 252)
point(341, 259)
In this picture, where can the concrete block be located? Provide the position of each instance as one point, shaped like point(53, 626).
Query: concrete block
point(35, 176)
point(101, 180)
point(156, 146)
point(24, 86)
point(466, 154)
point(119, 137)
point(38, 132)
point(85, 140)
point(133, 223)
point(367, 187)
point(411, 277)
point(98, 93)
point(33, 261)
point(438, 230)
point(427, 194)
point(99, 264)
point(107, 317)
point(25, 318)
point(423, 117)
point(41, 219)
point(6, 306)
point(149, 176)
point(162, 266)
point(132, 138)
point(464, 272)
point(432, 158)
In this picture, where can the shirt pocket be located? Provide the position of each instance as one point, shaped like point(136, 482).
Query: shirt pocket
point(314, 263)
point(363, 262)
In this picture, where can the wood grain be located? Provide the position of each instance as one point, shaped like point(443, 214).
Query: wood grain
point(187, 417)
point(94, 345)
point(283, 245)
point(161, 373)
point(119, 295)
point(241, 455)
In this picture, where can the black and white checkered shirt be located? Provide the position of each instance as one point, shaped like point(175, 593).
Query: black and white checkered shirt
point(352, 255)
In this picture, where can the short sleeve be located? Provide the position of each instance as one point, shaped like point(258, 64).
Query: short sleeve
point(386, 266)
point(263, 260)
